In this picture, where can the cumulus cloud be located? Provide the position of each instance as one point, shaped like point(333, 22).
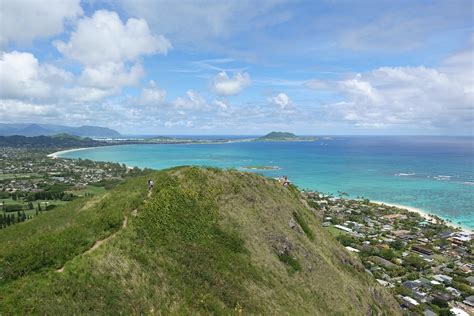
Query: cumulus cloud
point(22, 76)
point(109, 75)
point(415, 96)
point(151, 95)
point(109, 50)
point(104, 38)
point(192, 101)
point(23, 21)
point(282, 102)
point(18, 110)
point(224, 85)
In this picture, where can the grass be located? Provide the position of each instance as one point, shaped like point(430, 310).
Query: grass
point(89, 189)
point(290, 261)
point(302, 222)
point(335, 231)
point(205, 242)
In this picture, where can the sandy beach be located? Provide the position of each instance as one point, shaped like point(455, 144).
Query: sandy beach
point(426, 215)
point(58, 153)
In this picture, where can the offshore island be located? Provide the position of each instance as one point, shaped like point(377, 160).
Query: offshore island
point(205, 240)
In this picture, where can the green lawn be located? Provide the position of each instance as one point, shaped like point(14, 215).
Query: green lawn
point(90, 189)
point(335, 231)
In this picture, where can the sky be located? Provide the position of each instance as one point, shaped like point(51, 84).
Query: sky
point(326, 67)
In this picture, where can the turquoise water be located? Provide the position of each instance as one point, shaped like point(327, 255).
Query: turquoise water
point(432, 173)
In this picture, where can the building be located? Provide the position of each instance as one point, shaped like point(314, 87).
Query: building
point(422, 250)
point(409, 302)
point(469, 301)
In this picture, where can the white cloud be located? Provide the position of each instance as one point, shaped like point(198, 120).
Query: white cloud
point(220, 104)
point(282, 101)
point(179, 123)
point(109, 75)
point(192, 101)
point(109, 50)
point(22, 76)
point(407, 96)
point(104, 38)
point(224, 85)
point(87, 94)
point(18, 110)
point(23, 21)
point(151, 95)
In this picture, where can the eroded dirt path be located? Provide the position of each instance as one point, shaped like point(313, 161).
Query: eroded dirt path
point(98, 243)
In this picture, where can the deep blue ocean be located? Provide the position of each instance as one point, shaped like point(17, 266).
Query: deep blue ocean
point(435, 174)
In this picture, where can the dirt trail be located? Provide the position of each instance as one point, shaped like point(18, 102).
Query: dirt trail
point(97, 244)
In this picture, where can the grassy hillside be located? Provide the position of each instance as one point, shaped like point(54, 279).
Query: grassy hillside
point(205, 241)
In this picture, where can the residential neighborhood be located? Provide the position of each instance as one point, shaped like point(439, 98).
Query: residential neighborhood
point(426, 261)
point(31, 182)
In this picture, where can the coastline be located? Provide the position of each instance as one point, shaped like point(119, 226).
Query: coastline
point(423, 213)
point(58, 154)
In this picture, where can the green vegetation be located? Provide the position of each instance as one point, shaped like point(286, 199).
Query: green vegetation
point(284, 136)
point(205, 241)
point(290, 261)
point(279, 136)
point(304, 226)
point(63, 141)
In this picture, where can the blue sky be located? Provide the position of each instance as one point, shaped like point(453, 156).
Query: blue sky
point(240, 67)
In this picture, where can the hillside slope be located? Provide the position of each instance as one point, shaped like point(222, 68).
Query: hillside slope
point(204, 241)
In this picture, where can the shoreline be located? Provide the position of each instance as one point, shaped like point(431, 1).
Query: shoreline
point(425, 214)
point(58, 154)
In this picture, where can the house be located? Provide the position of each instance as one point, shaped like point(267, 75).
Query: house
point(422, 250)
point(443, 278)
point(409, 302)
point(458, 312)
point(453, 291)
point(344, 228)
point(412, 284)
point(469, 301)
point(429, 312)
point(444, 297)
point(392, 217)
point(470, 280)
point(383, 262)
point(352, 249)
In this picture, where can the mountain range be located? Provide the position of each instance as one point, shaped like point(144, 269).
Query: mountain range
point(32, 129)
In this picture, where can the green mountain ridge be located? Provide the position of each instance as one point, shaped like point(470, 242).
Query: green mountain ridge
point(205, 241)
point(31, 129)
point(284, 136)
point(56, 141)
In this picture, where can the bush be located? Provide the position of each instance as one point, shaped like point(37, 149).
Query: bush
point(304, 225)
point(290, 261)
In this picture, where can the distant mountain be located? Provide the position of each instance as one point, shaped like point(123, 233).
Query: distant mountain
point(279, 135)
point(284, 136)
point(49, 129)
point(56, 141)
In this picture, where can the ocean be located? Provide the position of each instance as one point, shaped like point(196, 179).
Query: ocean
point(432, 173)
